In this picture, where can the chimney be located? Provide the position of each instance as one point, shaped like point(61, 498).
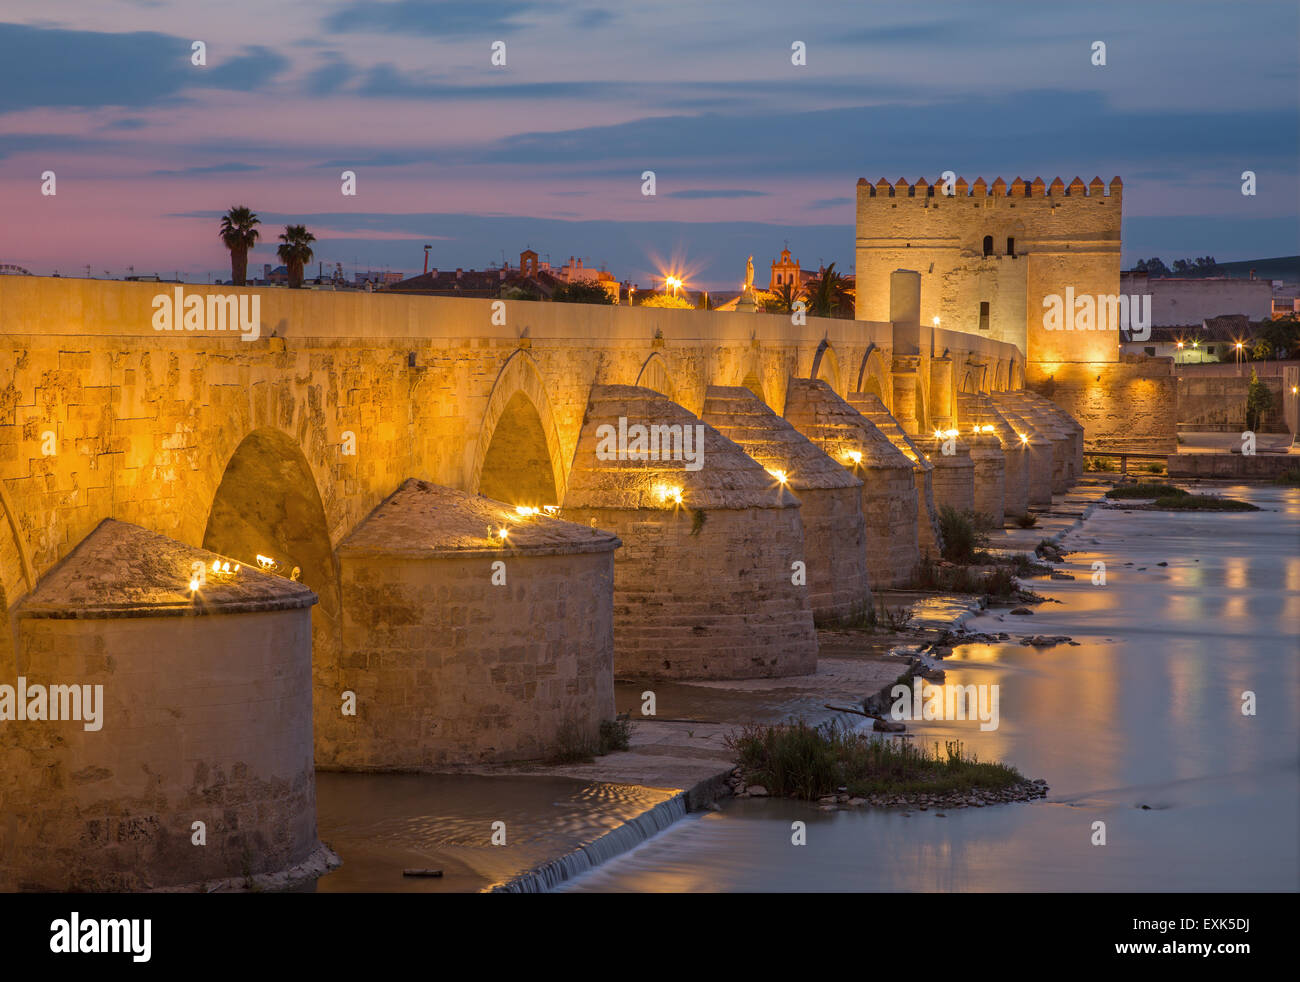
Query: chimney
point(458, 272)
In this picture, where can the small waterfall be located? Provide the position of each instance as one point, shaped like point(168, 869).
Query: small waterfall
point(612, 843)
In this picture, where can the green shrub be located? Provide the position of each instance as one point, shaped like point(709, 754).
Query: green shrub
point(1027, 521)
point(998, 582)
point(615, 734)
point(963, 534)
point(1258, 401)
point(802, 761)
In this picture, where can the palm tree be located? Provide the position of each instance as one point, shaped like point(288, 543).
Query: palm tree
point(829, 294)
point(783, 300)
point(295, 252)
point(239, 233)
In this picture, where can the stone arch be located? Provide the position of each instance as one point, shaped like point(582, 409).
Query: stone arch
point(826, 366)
point(969, 378)
point(873, 376)
point(1015, 375)
point(517, 458)
point(1000, 376)
point(654, 375)
point(17, 577)
point(268, 503)
point(752, 374)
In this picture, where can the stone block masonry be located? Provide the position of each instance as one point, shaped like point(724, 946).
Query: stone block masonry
point(206, 718)
point(705, 585)
point(830, 499)
point(889, 495)
point(463, 647)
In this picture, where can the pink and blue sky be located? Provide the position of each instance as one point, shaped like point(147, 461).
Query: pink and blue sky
point(749, 150)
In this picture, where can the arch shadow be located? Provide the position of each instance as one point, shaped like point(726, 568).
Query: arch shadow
point(655, 375)
point(826, 366)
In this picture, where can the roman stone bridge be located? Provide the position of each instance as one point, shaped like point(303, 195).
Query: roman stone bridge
point(375, 448)
point(293, 438)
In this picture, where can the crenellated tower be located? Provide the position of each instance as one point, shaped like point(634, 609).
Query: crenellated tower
point(989, 254)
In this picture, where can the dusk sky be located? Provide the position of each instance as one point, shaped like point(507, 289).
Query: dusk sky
point(749, 150)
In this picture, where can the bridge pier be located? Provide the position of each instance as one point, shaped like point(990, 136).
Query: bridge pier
point(954, 473)
point(463, 646)
point(889, 496)
point(830, 510)
point(978, 410)
point(706, 584)
point(990, 468)
point(1048, 426)
point(929, 540)
point(202, 722)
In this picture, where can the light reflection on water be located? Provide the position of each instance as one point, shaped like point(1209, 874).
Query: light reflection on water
point(1145, 711)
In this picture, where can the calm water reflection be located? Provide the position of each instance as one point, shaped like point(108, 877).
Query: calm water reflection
point(1145, 711)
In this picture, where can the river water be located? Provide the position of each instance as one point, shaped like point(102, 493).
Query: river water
point(1139, 727)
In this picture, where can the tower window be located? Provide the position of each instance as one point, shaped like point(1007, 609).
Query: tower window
point(1011, 246)
point(988, 245)
point(984, 315)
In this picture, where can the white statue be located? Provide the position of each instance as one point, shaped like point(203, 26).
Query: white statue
point(749, 275)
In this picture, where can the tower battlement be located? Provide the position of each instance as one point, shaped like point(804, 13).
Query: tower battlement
point(990, 255)
point(1019, 188)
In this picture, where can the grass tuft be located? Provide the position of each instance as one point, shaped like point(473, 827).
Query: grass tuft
point(1202, 502)
point(1144, 491)
point(801, 761)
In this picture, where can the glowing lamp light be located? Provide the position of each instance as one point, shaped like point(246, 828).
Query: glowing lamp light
point(855, 456)
point(1180, 345)
point(525, 511)
point(780, 475)
point(1295, 389)
point(194, 585)
point(1195, 344)
point(1024, 437)
point(503, 534)
point(938, 434)
point(668, 493)
point(551, 509)
point(267, 563)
